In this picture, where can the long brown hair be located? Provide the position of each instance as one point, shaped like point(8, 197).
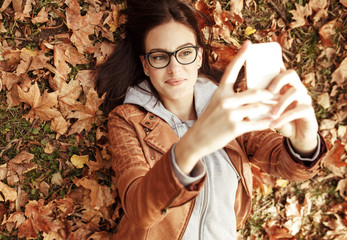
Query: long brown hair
point(124, 69)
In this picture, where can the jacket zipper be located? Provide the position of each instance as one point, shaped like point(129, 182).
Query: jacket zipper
point(164, 211)
point(204, 209)
point(147, 131)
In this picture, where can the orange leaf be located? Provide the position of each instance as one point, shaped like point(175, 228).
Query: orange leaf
point(42, 106)
point(327, 31)
point(333, 159)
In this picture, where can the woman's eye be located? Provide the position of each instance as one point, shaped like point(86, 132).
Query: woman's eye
point(159, 57)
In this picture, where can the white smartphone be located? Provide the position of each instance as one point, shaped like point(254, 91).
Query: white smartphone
point(263, 63)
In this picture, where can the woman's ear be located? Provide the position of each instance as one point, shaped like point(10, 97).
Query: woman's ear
point(144, 65)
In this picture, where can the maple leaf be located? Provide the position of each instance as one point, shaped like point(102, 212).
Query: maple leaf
point(14, 220)
point(300, 15)
point(87, 114)
point(59, 125)
point(9, 193)
point(333, 159)
point(81, 26)
point(68, 95)
point(327, 31)
point(42, 106)
point(342, 188)
point(100, 196)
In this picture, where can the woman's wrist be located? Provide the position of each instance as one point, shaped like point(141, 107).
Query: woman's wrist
point(185, 155)
point(305, 148)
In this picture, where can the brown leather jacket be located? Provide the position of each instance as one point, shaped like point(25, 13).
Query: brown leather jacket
point(156, 205)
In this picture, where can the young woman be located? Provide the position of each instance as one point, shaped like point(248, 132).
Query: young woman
point(181, 145)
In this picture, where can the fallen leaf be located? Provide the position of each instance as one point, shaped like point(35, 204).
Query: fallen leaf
point(57, 179)
point(300, 15)
point(324, 100)
point(333, 159)
point(9, 193)
point(249, 31)
point(49, 148)
point(79, 161)
point(87, 114)
point(42, 106)
point(10, 60)
point(59, 125)
point(19, 165)
point(68, 95)
point(340, 74)
point(100, 196)
point(14, 220)
point(327, 31)
point(81, 26)
point(41, 17)
point(343, 2)
point(342, 188)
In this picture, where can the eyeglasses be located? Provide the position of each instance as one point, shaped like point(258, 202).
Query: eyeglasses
point(160, 59)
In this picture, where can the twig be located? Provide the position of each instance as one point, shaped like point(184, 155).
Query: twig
point(279, 11)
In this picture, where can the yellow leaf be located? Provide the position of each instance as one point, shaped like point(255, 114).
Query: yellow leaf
point(282, 183)
point(265, 190)
point(249, 31)
point(79, 161)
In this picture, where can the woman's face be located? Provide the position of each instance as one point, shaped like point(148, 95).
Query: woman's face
point(175, 81)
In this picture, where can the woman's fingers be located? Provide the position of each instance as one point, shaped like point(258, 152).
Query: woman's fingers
point(247, 97)
point(232, 70)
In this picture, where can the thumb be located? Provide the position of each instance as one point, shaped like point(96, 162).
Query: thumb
point(232, 70)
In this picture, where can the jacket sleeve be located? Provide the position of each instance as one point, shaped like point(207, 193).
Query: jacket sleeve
point(146, 193)
point(269, 151)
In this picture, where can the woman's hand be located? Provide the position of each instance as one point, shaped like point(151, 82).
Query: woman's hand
point(294, 114)
point(227, 116)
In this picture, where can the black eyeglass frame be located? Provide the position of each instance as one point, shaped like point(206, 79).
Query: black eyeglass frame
point(173, 54)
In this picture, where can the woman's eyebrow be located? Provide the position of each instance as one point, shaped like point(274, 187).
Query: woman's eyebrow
point(165, 50)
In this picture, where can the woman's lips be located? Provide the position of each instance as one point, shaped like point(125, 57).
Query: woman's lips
point(174, 82)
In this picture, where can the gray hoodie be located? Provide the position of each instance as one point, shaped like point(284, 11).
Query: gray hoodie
point(213, 216)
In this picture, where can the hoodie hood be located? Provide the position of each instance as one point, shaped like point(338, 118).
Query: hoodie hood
point(141, 95)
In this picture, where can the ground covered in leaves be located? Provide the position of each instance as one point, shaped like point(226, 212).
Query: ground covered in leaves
point(56, 181)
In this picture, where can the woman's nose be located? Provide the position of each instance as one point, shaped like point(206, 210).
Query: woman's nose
point(174, 65)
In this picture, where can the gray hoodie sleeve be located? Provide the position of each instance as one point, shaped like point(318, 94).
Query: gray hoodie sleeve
point(197, 173)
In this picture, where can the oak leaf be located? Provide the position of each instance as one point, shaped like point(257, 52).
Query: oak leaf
point(87, 114)
point(300, 15)
point(42, 106)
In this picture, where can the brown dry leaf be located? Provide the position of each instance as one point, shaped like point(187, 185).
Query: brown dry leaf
point(338, 228)
point(19, 165)
point(327, 31)
point(49, 148)
point(81, 26)
point(103, 51)
point(68, 95)
point(9, 60)
point(57, 179)
point(42, 106)
point(343, 2)
point(14, 220)
point(342, 188)
point(333, 159)
point(10, 79)
point(3, 171)
point(9, 193)
point(44, 188)
point(22, 8)
point(340, 74)
point(87, 80)
point(222, 54)
point(26, 56)
point(86, 114)
point(324, 100)
point(320, 7)
point(66, 206)
point(59, 125)
point(41, 17)
point(100, 196)
point(42, 217)
point(300, 15)
point(52, 236)
point(276, 232)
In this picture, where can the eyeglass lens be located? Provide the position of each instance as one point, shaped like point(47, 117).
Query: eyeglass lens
point(184, 56)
